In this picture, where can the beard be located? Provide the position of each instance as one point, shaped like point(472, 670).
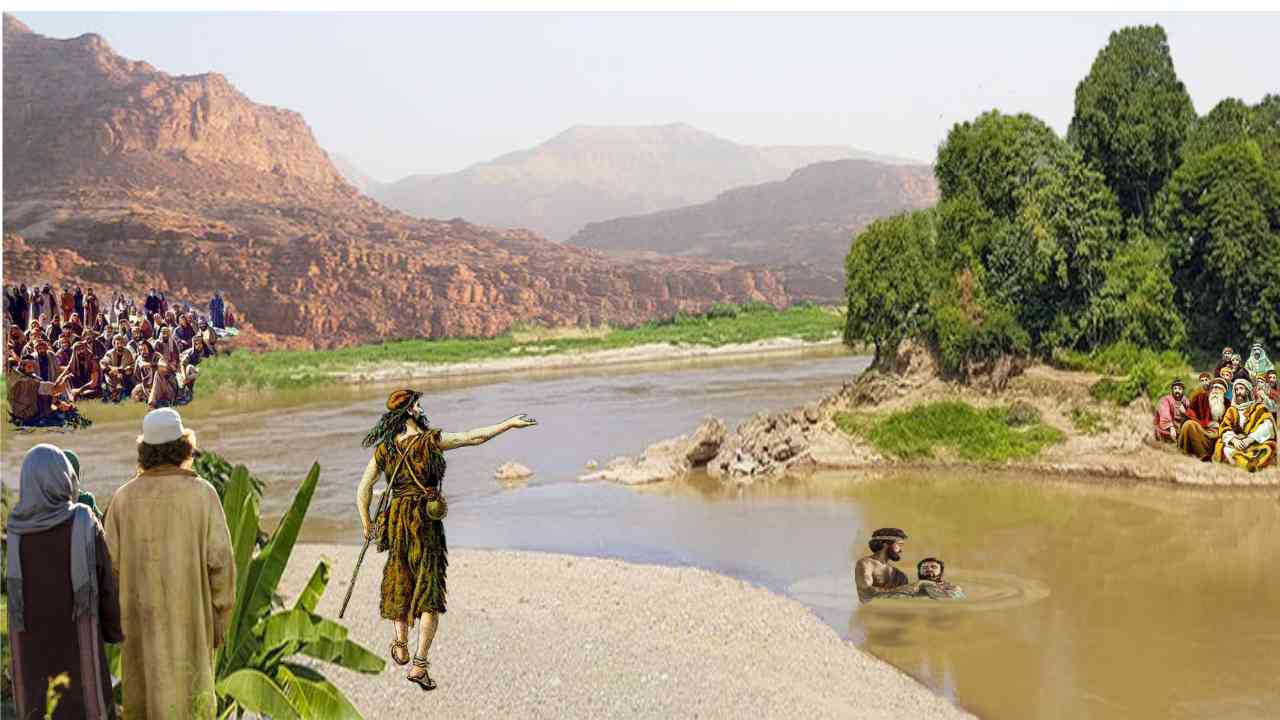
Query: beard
point(420, 422)
point(894, 556)
point(1217, 406)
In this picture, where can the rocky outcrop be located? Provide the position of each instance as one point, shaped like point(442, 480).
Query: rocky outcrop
point(75, 109)
point(811, 217)
point(512, 472)
point(589, 174)
point(122, 177)
point(666, 459)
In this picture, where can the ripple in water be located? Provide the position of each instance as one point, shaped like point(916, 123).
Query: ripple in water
point(983, 591)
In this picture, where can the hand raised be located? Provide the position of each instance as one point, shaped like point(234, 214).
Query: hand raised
point(522, 420)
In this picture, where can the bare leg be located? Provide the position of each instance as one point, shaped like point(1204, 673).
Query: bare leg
point(401, 655)
point(426, 633)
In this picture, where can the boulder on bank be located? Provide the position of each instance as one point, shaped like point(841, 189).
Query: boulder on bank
point(666, 460)
point(512, 472)
point(769, 444)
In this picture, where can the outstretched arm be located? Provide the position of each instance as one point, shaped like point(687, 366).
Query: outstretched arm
point(364, 493)
point(449, 440)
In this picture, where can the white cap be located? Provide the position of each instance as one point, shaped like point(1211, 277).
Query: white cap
point(162, 426)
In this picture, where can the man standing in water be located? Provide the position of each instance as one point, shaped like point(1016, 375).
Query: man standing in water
point(875, 576)
point(410, 454)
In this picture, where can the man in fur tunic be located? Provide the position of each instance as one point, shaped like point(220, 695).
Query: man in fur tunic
point(409, 453)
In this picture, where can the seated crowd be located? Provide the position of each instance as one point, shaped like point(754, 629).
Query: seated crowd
point(61, 350)
point(1231, 417)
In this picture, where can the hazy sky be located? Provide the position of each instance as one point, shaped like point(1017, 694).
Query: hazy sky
point(425, 93)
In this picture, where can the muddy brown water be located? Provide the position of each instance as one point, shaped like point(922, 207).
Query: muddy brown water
point(1085, 600)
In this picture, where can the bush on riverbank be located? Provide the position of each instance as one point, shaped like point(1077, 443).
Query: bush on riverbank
point(972, 434)
point(722, 325)
point(1134, 372)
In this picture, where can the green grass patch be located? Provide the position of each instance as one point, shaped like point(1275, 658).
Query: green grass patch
point(1084, 420)
point(722, 325)
point(1132, 372)
point(970, 433)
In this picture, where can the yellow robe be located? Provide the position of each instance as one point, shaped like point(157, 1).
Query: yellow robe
point(1256, 456)
point(172, 551)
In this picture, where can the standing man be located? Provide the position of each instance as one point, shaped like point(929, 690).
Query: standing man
point(91, 309)
point(410, 454)
point(875, 576)
point(172, 548)
point(68, 303)
point(215, 310)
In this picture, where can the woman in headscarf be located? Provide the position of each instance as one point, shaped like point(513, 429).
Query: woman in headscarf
point(84, 497)
point(59, 620)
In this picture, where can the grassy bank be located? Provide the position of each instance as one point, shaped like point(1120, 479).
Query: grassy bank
point(954, 428)
point(723, 325)
point(1132, 372)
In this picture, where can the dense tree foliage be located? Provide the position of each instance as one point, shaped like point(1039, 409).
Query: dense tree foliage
point(890, 272)
point(1024, 215)
point(1132, 115)
point(1135, 303)
point(1220, 215)
point(1232, 120)
point(1146, 226)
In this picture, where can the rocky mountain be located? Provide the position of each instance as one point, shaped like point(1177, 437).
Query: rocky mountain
point(810, 217)
point(123, 177)
point(588, 174)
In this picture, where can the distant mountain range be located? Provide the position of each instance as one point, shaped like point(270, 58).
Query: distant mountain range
point(122, 177)
point(589, 174)
point(810, 217)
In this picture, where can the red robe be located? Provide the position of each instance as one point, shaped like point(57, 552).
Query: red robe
point(1198, 408)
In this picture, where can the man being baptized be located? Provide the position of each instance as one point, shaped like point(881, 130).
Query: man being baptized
point(929, 575)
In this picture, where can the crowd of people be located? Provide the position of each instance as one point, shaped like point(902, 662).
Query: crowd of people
point(154, 573)
point(64, 348)
point(1231, 417)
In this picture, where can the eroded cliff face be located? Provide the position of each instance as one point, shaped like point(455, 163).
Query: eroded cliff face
point(123, 178)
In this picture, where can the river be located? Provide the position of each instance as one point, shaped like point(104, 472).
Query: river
point(1087, 600)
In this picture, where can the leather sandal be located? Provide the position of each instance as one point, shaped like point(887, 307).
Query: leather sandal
point(399, 645)
point(425, 682)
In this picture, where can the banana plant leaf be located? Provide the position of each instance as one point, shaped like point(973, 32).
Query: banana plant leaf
point(264, 574)
point(241, 506)
point(298, 631)
point(255, 692)
point(311, 594)
point(308, 688)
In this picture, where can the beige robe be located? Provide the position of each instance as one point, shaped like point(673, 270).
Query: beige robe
point(172, 551)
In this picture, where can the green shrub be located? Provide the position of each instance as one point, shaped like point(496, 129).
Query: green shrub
point(973, 434)
point(962, 340)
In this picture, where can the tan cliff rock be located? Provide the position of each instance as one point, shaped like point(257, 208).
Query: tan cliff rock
point(122, 177)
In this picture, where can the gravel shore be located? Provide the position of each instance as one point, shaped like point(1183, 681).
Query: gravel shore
point(537, 635)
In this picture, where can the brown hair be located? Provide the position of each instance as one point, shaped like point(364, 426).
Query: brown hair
point(174, 452)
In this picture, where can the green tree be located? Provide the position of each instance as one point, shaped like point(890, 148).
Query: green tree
point(890, 271)
point(1024, 216)
point(1135, 304)
point(1132, 115)
point(1220, 216)
point(1232, 120)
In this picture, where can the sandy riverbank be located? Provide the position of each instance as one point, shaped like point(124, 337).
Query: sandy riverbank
point(635, 355)
point(806, 439)
point(536, 635)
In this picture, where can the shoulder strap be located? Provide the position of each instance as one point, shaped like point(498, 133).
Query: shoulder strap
point(403, 461)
